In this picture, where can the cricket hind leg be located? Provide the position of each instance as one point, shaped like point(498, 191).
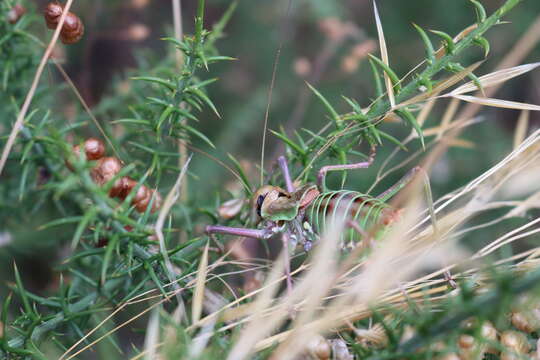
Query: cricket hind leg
point(321, 176)
point(404, 181)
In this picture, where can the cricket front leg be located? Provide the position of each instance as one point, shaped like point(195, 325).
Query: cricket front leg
point(261, 234)
point(321, 176)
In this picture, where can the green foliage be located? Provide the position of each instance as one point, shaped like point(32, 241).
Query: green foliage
point(113, 255)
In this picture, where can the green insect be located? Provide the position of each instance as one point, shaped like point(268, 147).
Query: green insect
point(302, 214)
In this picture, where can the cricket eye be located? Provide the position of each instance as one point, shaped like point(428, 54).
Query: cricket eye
point(260, 201)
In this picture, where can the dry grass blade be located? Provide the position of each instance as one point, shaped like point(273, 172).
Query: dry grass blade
point(449, 114)
point(253, 332)
point(170, 200)
point(314, 286)
point(505, 104)
point(495, 78)
point(152, 335)
point(384, 56)
point(29, 96)
point(521, 128)
point(198, 296)
point(508, 238)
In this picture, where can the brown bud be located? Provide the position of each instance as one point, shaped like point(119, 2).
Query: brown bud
point(72, 30)
point(94, 149)
point(122, 187)
point(15, 13)
point(516, 343)
point(52, 14)
point(527, 320)
point(489, 335)
point(470, 348)
point(142, 204)
point(73, 27)
point(105, 170)
point(143, 193)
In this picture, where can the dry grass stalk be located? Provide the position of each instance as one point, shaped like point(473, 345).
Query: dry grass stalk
point(384, 56)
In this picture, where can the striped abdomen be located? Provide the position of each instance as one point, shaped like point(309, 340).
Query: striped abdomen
point(366, 211)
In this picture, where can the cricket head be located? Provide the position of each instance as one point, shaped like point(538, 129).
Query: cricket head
point(276, 204)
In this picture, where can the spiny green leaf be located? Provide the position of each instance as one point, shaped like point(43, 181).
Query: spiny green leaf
point(213, 59)
point(393, 140)
point(22, 292)
point(132, 121)
point(483, 43)
point(391, 74)
point(409, 118)
point(111, 246)
point(289, 142)
point(327, 105)
point(206, 99)
point(185, 114)
point(202, 84)
point(156, 80)
point(199, 134)
point(61, 221)
point(480, 11)
point(449, 44)
point(430, 53)
point(88, 216)
point(241, 172)
point(376, 78)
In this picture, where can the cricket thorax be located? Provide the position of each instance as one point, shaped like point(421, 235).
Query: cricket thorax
point(276, 204)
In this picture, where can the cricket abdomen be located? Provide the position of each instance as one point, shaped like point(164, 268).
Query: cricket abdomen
point(367, 212)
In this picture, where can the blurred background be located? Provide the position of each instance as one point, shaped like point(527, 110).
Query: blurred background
point(323, 42)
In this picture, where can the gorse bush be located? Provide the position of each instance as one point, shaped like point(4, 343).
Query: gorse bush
point(284, 259)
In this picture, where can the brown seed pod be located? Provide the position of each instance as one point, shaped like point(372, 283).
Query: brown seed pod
point(15, 13)
point(123, 187)
point(73, 29)
point(142, 204)
point(105, 170)
point(516, 343)
point(94, 149)
point(489, 335)
point(527, 320)
point(52, 14)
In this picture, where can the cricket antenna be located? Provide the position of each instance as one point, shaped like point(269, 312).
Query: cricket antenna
point(283, 28)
